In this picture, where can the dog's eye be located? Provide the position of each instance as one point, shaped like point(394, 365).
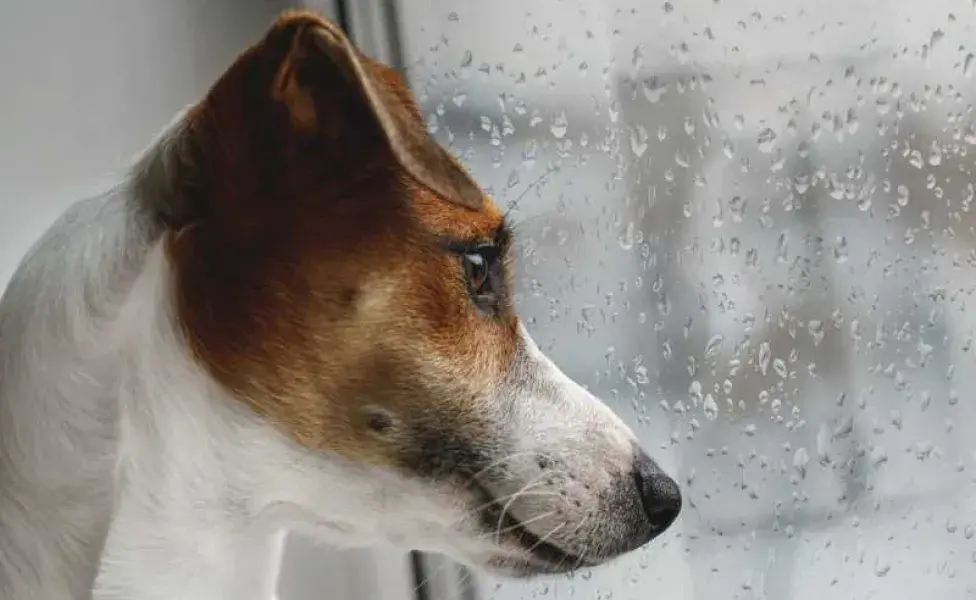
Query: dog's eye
point(476, 270)
point(481, 273)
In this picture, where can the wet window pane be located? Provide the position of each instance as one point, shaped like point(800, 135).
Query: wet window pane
point(749, 227)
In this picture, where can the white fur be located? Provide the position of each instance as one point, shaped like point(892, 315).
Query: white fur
point(125, 466)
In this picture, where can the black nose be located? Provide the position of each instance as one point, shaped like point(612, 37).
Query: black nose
point(659, 493)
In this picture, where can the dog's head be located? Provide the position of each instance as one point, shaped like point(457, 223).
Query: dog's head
point(345, 278)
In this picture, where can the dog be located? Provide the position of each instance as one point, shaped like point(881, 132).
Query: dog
point(295, 311)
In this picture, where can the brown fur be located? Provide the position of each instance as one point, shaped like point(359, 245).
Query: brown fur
point(314, 277)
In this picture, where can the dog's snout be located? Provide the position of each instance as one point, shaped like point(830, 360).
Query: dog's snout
point(659, 494)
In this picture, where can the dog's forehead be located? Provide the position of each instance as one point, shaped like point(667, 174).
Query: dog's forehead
point(441, 216)
point(455, 222)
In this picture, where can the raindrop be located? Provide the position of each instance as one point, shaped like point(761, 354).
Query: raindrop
point(627, 237)
point(935, 154)
point(513, 178)
point(714, 345)
point(896, 419)
point(681, 160)
point(728, 149)
point(766, 140)
point(638, 140)
point(903, 195)
point(752, 257)
point(878, 456)
point(840, 250)
point(559, 125)
point(844, 428)
point(823, 445)
point(881, 568)
point(737, 208)
point(800, 461)
point(780, 367)
point(782, 248)
point(763, 358)
point(710, 408)
point(653, 89)
point(817, 332)
point(529, 152)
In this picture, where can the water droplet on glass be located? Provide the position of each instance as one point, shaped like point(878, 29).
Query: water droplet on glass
point(766, 140)
point(728, 149)
point(782, 248)
point(710, 408)
point(935, 154)
point(780, 367)
point(713, 346)
point(823, 445)
point(816, 330)
point(466, 60)
point(763, 358)
point(559, 125)
point(840, 250)
point(896, 419)
point(513, 178)
point(653, 89)
point(638, 140)
point(681, 160)
point(878, 456)
point(881, 568)
point(800, 461)
point(626, 238)
point(903, 196)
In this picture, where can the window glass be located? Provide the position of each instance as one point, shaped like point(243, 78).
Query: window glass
point(749, 227)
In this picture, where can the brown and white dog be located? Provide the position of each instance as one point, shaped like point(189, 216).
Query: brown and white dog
point(296, 311)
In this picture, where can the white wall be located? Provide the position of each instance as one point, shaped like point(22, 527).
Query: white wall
point(85, 87)
point(87, 84)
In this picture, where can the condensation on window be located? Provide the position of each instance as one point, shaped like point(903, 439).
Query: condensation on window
point(749, 227)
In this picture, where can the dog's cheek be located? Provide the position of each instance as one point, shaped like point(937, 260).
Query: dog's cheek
point(440, 452)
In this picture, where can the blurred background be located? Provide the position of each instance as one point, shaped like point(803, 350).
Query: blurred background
point(746, 224)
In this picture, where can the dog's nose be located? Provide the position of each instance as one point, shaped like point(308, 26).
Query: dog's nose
point(659, 493)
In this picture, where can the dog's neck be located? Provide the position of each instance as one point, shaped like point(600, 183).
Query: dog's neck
point(180, 491)
point(188, 490)
point(205, 487)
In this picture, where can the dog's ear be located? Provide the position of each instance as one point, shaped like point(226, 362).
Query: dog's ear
point(331, 90)
point(301, 101)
